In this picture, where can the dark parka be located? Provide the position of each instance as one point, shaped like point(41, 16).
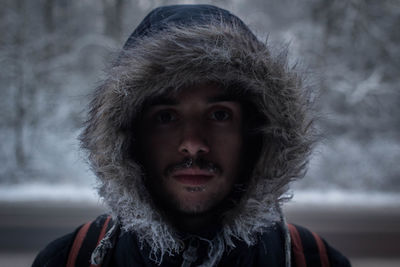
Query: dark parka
point(173, 48)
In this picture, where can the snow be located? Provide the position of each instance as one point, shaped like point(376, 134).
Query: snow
point(47, 192)
point(346, 198)
point(76, 193)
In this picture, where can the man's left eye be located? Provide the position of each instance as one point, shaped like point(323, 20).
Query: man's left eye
point(220, 115)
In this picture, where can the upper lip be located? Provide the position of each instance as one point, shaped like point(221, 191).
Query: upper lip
point(192, 172)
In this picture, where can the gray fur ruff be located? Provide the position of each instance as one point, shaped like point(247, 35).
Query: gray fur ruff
point(176, 58)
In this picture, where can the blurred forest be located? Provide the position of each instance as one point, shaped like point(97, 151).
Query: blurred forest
point(52, 53)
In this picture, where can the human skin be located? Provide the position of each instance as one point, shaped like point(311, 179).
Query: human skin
point(191, 145)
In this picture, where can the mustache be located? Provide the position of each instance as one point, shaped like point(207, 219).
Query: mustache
point(190, 162)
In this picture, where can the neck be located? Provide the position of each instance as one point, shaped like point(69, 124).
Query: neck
point(197, 224)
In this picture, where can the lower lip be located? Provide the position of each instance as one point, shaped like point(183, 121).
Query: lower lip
point(193, 179)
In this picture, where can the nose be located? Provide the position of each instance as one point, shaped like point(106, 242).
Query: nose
point(193, 140)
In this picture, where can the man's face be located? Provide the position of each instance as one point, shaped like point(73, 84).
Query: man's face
point(191, 145)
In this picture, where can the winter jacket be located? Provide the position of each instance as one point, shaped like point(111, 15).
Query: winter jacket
point(173, 48)
point(127, 251)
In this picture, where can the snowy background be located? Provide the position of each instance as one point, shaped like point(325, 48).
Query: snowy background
point(52, 53)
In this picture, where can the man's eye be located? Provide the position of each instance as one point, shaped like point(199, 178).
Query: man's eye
point(220, 115)
point(165, 117)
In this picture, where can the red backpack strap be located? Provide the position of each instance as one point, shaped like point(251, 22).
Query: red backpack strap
point(322, 250)
point(76, 246)
point(297, 246)
point(86, 240)
point(307, 247)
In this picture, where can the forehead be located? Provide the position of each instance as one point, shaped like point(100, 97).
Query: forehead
point(208, 93)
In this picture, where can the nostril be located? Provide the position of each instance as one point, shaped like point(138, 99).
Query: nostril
point(193, 148)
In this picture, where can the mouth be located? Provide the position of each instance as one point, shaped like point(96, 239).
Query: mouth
point(192, 176)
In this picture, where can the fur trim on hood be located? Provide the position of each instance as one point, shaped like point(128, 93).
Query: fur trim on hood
point(221, 50)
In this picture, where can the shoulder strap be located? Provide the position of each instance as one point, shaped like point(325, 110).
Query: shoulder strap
point(322, 250)
point(306, 244)
point(76, 246)
point(86, 239)
point(297, 246)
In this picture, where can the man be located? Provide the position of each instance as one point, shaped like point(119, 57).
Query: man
point(194, 137)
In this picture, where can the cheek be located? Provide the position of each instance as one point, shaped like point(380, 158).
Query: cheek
point(157, 150)
point(227, 147)
point(228, 140)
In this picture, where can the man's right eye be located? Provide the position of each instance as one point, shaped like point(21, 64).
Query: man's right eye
point(165, 116)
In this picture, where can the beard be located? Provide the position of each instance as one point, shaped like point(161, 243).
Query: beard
point(132, 205)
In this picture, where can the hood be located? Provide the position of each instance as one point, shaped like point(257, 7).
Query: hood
point(174, 47)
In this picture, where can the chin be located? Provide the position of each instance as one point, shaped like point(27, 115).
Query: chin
point(198, 205)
